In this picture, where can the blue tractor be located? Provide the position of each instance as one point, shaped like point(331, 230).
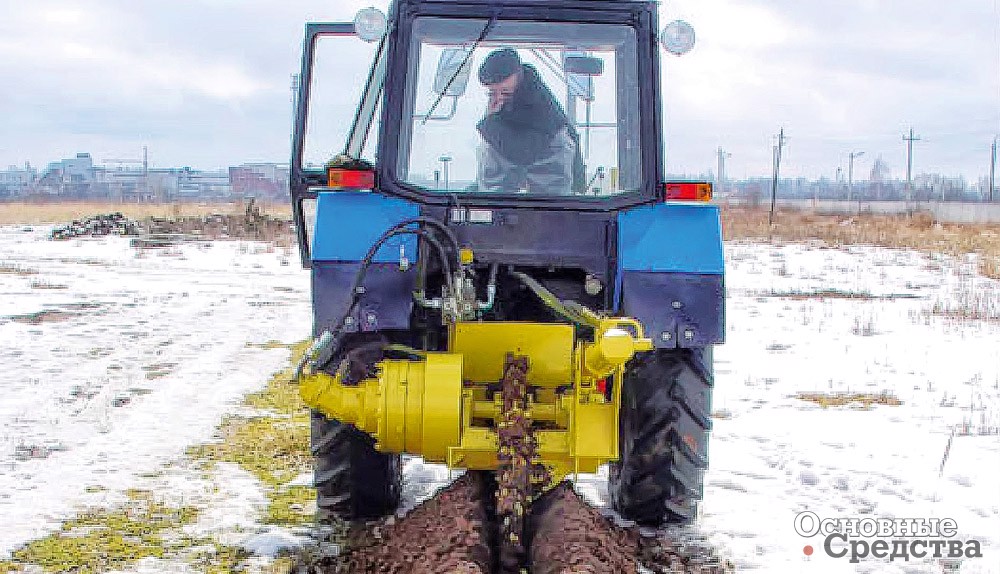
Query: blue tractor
point(500, 214)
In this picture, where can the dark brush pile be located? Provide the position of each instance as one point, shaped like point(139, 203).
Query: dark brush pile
point(97, 226)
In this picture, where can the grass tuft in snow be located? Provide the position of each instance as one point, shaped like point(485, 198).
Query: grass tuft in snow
point(969, 306)
point(47, 285)
point(273, 446)
point(292, 506)
point(272, 344)
point(273, 449)
point(856, 400)
point(12, 269)
point(990, 267)
point(217, 559)
point(103, 539)
point(823, 294)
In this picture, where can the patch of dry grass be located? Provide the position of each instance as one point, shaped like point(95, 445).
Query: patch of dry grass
point(855, 400)
point(11, 269)
point(47, 285)
point(823, 294)
point(918, 232)
point(46, 316)
point(969, 307)
point(25, 213)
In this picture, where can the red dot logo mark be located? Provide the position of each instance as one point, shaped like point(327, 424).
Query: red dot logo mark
point(808, 550)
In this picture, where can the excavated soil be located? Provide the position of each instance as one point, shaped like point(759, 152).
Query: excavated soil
point(455, 533)
point(570, 537)
point(450, 533)
point(675, 552)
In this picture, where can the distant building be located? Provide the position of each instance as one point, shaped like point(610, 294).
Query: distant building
point(209, 185)
point(79, 169)
point(71, 178)
point(16, 182)
point(133, 181)
point(268, 181)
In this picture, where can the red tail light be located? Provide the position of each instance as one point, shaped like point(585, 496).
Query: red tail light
point(355, 179)
point(687, 191)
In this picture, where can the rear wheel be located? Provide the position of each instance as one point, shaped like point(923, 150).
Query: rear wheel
point(663, 436)
point(353, 480)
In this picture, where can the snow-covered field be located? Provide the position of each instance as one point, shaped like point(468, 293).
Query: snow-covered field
point(773, 456)
point(116, 360)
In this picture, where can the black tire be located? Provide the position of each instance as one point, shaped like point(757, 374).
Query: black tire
point(663, 437)
point(353, 480)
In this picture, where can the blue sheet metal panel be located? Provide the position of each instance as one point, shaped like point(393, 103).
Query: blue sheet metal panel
point(348, 223)
point(387, 300)
point(671, 237)
point(674, 303)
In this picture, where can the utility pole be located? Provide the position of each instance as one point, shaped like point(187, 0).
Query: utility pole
point(296, 86)
point(909, 164)
point(720, 176)
point(777, 168)
point(850, 173)
point(145, 171)
point(993, 166)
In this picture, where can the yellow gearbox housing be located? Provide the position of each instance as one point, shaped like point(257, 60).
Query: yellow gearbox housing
point(440, 407)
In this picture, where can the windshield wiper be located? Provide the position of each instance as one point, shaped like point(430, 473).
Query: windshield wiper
point(482, 36)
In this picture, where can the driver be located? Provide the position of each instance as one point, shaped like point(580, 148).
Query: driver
point(527, 141)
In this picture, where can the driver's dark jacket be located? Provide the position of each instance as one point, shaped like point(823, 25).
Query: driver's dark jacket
point(529, 145)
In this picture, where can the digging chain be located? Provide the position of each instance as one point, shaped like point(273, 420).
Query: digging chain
point(519, 476)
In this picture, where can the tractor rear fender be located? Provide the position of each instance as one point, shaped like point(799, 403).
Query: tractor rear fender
point(347, 224)
point(670, 273)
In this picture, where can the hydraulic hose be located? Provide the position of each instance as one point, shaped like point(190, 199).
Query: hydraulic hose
point(324, 351)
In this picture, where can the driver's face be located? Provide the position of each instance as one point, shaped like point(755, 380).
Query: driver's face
point(501, 92)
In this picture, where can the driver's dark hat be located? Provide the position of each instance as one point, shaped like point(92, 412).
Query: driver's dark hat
point(499, 65)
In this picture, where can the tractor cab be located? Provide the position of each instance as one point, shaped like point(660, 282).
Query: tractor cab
point(413, 104)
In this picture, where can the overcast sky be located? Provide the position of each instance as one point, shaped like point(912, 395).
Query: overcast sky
point(205, 83)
